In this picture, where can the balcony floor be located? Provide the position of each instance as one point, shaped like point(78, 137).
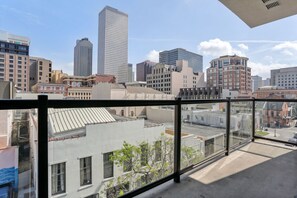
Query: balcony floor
point(259, 169)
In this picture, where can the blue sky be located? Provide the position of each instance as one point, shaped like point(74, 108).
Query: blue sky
point(202, 26)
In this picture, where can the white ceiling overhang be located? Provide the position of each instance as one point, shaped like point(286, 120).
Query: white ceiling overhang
point(259, 12)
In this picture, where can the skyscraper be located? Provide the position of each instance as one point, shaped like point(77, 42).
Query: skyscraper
point(14, 60)
point(171, 56)
point(83, 57)
point(256, 82)
point(130, 73)
point(113, 43)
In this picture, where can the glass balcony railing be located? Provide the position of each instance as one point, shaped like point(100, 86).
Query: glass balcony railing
point(203, 132)
point(109, 148)
point(241, 123)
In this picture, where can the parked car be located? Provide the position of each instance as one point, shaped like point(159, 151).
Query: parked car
point(293, 139)
point(265, 129)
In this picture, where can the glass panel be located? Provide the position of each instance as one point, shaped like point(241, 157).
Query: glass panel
point(18, 154)
point(241, 122)
point(129, 147)
point(277, 120)
point(203, 132)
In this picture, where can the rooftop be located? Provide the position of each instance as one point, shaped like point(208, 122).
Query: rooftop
point(62, 120)
point(11, 38)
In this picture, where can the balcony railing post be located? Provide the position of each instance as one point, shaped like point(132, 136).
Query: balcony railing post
point(253, 119)
point(228, 120)
point(177, 139)
point(42, 181)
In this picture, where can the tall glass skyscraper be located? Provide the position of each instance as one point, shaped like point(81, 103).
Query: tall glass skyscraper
point(83, 57)
point(171, 56)
point(113, 43)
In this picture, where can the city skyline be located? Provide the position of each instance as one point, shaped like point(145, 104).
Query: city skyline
point(150, 32)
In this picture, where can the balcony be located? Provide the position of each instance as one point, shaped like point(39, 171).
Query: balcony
point(258, 169)
point(103, 148)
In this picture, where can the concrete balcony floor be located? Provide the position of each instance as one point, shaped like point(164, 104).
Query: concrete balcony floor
point(259, 169)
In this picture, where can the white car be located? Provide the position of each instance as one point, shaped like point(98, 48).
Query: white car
point(293, 139)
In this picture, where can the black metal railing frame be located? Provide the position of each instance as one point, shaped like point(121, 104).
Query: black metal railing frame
point(42, 104)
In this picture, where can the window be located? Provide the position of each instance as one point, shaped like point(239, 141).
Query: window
point(58, 178)
point(108, 165)
point(85, 171)
point(158, 151)
point(144, 154)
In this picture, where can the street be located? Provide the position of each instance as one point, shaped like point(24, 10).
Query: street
point(281, 133)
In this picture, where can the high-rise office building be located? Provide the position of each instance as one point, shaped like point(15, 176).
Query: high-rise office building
point(284, 77)
point(113, 43)
point(83, 57)
point(171, 56)
point(256, 82)
point(14, 60)
point(266, 82)
point(143, 69)
point(230, 72)
point(130, 73)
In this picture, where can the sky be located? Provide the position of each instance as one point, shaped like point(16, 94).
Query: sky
point(205, 27)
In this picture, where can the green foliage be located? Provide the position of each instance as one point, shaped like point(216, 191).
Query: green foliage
point(148, 162)
point(261, 133)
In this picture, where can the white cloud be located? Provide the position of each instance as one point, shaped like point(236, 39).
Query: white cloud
point(288, 48)
point(243, 46)
point(153, 56)
point(263, 70)
point(256, 41)
point(217, 47)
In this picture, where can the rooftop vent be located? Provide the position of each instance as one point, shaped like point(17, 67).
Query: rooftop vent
point(272, 5)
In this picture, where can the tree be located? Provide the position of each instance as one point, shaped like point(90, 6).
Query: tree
point(145, 163)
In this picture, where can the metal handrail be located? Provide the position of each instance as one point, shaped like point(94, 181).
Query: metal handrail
point(42, 104)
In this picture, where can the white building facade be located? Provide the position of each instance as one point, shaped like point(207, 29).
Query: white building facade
point(79, 151)
point(284, 77)
point(169, 78)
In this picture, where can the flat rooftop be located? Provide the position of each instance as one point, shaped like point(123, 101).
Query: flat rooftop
point(259, 169)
